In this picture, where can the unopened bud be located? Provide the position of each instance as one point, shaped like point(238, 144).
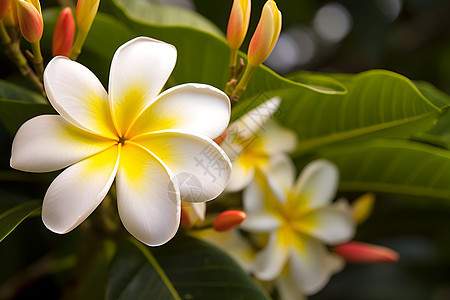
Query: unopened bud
point(30, 20)
point(266, 34)
point(357, 252)
point(4, 6)
point(64, 33)
point(362, 207)
point(85, 13)
point(221, 137)
point(228, 220)
point(238, 23)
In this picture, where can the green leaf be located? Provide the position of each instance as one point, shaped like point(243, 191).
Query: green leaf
point(439, 135)
point(378, 104)
point(199, 270)
point(151, 12)
point(184, 267)
point(14, 113)
point(11, 91)
point(11, 218)
point(202, 56)
point(395, 167)
point(135, 274)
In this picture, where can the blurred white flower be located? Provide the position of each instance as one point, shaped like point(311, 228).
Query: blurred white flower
point(252, 141)
point(300, 220)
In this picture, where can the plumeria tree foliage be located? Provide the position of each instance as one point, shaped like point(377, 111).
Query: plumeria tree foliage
point(144, 155)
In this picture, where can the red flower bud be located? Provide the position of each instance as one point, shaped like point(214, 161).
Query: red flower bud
point(357, 252)
point(221, 137)
point(228, 220)
point(64, 33)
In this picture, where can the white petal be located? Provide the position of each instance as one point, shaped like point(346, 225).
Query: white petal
point(308, 265)
point(271, 259)
point(139, 70)
point(78, 190)
point(288, 288)
point(48, 143)
point(241, 176)
point(250, 123)
point(260, 223)
point(280, 176)
point(199, 109)
point(318, 183)
point(201, 167)
point(147, 197)
point(78, 96)
point(276, 139)
point(329, 224)
point(254, 197)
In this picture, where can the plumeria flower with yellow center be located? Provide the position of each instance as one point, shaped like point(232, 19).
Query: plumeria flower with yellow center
point(300, 220)
point(133, 135)
point(253, 140)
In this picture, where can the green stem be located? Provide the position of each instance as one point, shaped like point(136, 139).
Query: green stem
point(13, 52)
point(37, 59)
point(79, 42)
point(233, 59)
point(242, 85)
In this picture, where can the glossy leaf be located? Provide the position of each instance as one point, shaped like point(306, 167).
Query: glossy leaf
point(378, 104)
point(135, 274)
point(203, 56)
point(11, 218)
point(395, 167)
point(14, 113)
point(199, 270)
point(9, 90)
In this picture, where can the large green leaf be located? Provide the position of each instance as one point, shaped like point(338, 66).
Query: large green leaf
point(439, 135)
point(14, 113)
point(199, 270)
point(152, 12)
point(378, 104)
point(11, 91)
point(202, 56)
point(135, 274)
point(393, 166)
point(184, 268)
point(11, 218)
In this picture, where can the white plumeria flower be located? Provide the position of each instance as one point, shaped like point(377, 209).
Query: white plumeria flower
point(299, 218)
point(253, 140)
point(132, 134)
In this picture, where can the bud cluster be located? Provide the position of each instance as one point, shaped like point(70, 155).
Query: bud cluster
point(261, 44)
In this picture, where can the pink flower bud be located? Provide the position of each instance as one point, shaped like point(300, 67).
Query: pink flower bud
point(85, 13)
point(238, 23)
point(357, 252)
point(30, 20)
point(4, 6)
point(266, 34)
point(64, 33)
point(228, 220)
